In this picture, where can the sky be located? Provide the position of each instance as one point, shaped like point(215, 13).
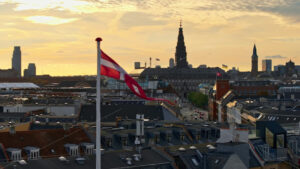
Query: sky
point(59, 35)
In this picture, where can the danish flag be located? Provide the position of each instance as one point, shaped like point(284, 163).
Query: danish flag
point(112, 69)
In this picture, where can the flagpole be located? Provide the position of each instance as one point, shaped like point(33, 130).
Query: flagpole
point(98, 107)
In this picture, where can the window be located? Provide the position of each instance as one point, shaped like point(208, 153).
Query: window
point(124, 141)
point(168, 138)
point(280, 141)
point(156, 139)
point(269, 137)
point(182, 137)
point(198, 137)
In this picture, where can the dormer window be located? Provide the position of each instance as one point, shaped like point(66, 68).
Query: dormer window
point(156, 139)
point(169, 138)
point(32, 152)
point(72, 149)
point(198, 137)
point(108, 142)
point(88, 148)
point(124, 141)
point(15, 154)
point(182, 137)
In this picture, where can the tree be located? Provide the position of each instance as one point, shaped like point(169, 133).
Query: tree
point(198, 99)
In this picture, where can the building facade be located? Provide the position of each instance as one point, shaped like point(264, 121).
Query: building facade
point(267, 65)
point(8, 73)
point(181, 77)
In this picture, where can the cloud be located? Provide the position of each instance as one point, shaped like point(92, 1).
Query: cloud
point(286, 39)
point(49, 20)
point(133, 19)
point(275, 57)
point(70, 5)
point(290, 10)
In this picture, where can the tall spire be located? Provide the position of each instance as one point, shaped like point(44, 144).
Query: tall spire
point(254, 57)
point(254, 50)
point(180, 55)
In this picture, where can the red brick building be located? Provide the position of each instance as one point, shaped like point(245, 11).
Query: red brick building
point(221, 87)
point(254, 88)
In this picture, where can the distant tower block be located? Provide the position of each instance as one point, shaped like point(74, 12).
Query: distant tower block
point(16, 60)
point(267, 65)
point(254, 69)
point(171, 63)
point(30, 71)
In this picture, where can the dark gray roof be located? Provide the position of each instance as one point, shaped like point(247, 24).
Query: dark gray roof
point(91, 83)
point(12, 115)
point(150, 157)
point(273, 126)
point(183, 73)
point(125, 111)
point(109, 160)
point(252, 83)
point(253, 162)
point(281, 116)
point(217, 160)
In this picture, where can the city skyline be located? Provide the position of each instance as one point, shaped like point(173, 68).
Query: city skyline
point(59, 36)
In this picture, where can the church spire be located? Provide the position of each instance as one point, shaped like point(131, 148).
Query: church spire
point(254, 58)
point(254, 50)
point(180, 55)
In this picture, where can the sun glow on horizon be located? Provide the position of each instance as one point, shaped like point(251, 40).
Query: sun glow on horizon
point(58, 35)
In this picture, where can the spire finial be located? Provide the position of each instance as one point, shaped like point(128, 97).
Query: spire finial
point(180, 23)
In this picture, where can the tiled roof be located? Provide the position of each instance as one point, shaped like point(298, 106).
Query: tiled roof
point(45, 139)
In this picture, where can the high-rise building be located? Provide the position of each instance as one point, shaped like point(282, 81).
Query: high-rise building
point(180, 55)
point(171, 63)
point(267, 65)
point(30, 71)
point(254, 69)
point(16, 60)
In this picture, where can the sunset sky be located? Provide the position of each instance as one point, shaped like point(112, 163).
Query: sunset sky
point(58, 35)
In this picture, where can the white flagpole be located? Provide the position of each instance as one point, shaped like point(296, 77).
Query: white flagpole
point(98, 106)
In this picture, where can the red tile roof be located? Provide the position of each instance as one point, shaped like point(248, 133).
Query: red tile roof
point(45, 140)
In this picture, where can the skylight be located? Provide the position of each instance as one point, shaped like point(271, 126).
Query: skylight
point(195, 161)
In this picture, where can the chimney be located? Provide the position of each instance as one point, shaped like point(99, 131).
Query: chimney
point(282, 106)
point(293, 96)
point(139, 139)
point(66, 126)
point(12, 128)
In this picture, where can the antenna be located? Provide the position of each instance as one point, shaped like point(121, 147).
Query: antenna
point(139, 132)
